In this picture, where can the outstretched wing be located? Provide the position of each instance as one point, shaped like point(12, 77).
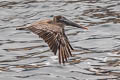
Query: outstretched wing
point(55, 38)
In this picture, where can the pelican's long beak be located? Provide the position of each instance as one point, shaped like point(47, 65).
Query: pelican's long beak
point(70, 23)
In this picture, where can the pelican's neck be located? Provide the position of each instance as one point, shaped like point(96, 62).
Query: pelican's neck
point(54, 20)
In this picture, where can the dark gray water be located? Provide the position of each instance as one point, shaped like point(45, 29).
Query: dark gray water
point(24, 56)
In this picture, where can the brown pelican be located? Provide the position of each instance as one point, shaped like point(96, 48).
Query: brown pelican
point(52, 32)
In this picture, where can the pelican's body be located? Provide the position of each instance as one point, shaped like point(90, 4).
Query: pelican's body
point(46, 25)
point(52, 32)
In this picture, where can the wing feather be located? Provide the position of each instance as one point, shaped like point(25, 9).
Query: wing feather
point(56, 40)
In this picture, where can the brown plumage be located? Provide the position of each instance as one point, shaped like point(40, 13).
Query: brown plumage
point(52, 32)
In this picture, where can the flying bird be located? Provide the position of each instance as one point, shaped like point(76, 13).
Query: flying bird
point(53, 33)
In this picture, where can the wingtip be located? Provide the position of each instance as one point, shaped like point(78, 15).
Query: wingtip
point(20, 28)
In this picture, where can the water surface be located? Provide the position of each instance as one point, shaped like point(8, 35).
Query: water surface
point(25, 56)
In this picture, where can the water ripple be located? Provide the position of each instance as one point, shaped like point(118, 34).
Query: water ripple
point(97, 50)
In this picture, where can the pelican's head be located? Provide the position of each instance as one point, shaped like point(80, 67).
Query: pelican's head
point(67, 22)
